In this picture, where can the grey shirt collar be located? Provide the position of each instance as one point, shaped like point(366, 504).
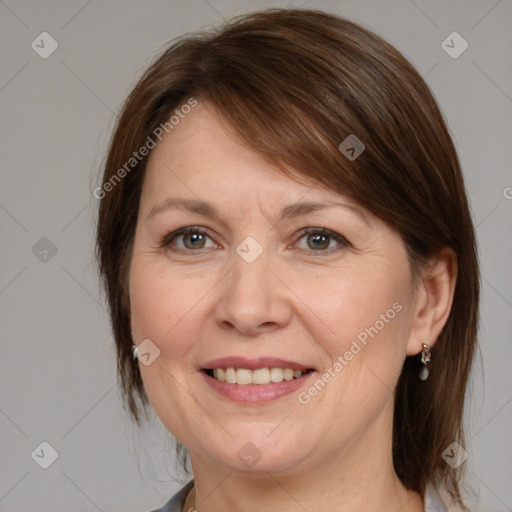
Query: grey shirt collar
point(433, 502)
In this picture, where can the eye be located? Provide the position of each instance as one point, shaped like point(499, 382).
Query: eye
point(323, 240)
point(318, 240)
point(190, 238)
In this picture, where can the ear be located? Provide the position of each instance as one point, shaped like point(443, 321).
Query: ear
point(434, 298)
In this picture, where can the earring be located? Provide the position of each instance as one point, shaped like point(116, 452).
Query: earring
point(135, 351)
point(425, 358)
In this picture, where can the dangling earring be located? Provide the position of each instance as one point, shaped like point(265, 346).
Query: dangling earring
point(425, 358)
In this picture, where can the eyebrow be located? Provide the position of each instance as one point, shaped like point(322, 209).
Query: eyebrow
point(206, 209)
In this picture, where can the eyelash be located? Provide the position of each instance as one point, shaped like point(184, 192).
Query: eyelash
point(166, 241)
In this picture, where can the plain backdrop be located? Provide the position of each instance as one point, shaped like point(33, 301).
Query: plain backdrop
point(57, 363)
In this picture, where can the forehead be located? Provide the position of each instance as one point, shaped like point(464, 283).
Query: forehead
point(203, 147)
point(201, 157)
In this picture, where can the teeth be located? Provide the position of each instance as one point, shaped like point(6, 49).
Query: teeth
point(220, 374)
point(231, 375)
point(277, 374)
point(243, 376)
point(288, 374)
point(261, 376)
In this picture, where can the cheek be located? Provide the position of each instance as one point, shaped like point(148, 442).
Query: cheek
point(160, 302)
point(361, 321)
point(160, 306)
point(147, 303)
point(360, 304)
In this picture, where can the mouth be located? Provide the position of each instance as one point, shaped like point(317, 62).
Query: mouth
point(252, 381)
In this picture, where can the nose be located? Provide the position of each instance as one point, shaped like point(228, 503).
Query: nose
point(254, 298)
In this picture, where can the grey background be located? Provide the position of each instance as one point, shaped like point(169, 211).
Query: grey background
point(57, 363)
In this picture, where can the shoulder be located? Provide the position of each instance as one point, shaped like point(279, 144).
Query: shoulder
point(175, 504)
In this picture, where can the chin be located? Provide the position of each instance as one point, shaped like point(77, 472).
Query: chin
point(258, 452)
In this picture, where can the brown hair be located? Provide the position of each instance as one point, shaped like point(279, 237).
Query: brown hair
point(294, 83)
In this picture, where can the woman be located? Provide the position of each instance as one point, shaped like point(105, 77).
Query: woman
point(286, 244)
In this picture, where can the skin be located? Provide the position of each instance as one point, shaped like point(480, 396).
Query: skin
point(295, 302)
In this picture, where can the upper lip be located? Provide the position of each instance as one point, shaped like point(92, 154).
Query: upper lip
point(253, 364)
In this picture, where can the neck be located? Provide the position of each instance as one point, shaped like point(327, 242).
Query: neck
point(254, 495)
point(360, 477)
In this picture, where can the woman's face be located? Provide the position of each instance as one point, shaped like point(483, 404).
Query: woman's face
point(267, 282)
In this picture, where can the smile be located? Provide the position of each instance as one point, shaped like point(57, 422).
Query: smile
point(253, 381)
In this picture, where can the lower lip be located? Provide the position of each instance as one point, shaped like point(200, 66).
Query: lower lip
point(256, 393)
